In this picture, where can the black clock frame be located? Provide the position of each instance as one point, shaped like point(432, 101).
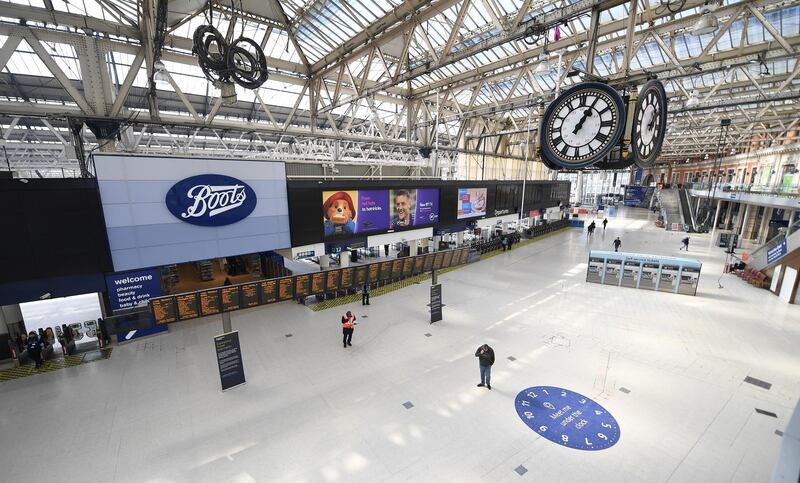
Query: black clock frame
point(656, 87)
point(551, 157)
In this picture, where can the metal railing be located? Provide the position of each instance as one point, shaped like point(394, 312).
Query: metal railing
point(789, 191)
point(761, 252)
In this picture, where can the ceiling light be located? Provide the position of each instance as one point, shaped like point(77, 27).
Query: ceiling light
point(707, 23)
point(160, 76)
point(228, 93)
point(694, 99)
point(544, 63)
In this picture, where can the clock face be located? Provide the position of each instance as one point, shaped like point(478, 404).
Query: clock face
point(649, 124)
point(582, 125)
point(567, 418)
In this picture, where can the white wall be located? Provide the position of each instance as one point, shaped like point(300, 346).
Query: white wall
point(398, 236)
point(789, 276)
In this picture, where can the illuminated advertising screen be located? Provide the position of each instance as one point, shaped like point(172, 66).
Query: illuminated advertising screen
point(471, 202)
point(347, 213)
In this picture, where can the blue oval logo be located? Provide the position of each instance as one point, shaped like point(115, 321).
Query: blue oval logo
point(211, 200)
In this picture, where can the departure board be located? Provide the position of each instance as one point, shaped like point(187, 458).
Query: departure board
point(269, 291)
point(408, 265)
point(209, 302)
point(361, 275)
point(164, 310)
point(231, 298)
point(448, 259)
point(386, 270)
point(347, 278)
point(374, 272)
point(188, 305)
point(397, 268)
point(285, 288)
point(318, 283)
point(464, 256)
point(332, 280)
point(250, 295)
point(302, 285)
point(419, 260)
point(437, 262)
point(428, 265)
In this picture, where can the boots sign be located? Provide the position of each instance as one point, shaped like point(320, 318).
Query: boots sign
point(211, 200)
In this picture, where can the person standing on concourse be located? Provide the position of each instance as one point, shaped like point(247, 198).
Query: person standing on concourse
point(348, 323)
point(485, 355)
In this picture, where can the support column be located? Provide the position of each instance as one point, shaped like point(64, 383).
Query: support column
point(744, 221)
point(324, 261)
point(728, 215)
point(344, 259)
point(424, 243)
point(764, 228)
point(460, 238)
point(716, 221)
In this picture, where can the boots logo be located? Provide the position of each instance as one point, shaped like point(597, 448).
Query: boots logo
point(211, 200)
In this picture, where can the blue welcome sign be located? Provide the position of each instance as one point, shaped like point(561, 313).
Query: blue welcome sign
point(567, 418)
point(211, 200)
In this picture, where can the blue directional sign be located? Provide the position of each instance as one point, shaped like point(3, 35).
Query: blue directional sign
point(567, 418)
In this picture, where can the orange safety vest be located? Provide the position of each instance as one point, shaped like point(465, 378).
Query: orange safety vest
point(347, 323)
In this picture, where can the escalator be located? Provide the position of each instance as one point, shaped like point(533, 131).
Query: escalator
point(686, 210)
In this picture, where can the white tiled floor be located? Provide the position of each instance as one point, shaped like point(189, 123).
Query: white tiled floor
point(313, 411)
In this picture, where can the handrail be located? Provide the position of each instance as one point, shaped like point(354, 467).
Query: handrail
point(774, 241)
point(790, 191)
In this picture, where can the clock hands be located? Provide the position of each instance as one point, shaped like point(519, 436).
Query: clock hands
point(586, 114)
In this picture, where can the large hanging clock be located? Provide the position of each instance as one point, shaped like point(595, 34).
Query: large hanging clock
point(582, 125)
point(649, 124)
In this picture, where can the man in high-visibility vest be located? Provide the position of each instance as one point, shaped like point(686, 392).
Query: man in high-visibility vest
point(348, 322)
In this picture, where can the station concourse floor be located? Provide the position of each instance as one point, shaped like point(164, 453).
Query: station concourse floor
point(313, 411)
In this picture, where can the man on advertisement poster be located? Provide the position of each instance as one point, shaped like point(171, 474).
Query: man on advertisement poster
point(403, 214)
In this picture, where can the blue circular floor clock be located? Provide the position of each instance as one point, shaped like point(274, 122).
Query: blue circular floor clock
point(567, 418)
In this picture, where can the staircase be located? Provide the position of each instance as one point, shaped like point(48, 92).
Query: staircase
point(671, 207)
point(759, 259)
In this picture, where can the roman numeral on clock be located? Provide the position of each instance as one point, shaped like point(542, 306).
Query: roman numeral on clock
point(601, 137)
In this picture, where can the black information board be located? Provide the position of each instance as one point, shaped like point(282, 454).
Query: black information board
point(231, 298)
point(428, 264)
point(397, 268)
point(332, 280)
point(361, 275)
point(374, 272)
point(250, 296)
point(229, 360)
point(464, 256)
point(418, 262)
point(437, 262)
point(209, 302)
point(269, 291)
point(302, 285)
point(436, 302)
point(386, 270)
point(408, 265)
point(164, 310)
point(448, 259)
point(286, 288)
point(188, 305)
point(347, 278)
point(318, 283)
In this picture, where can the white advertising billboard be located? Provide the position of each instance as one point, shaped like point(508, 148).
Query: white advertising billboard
point(165, 210)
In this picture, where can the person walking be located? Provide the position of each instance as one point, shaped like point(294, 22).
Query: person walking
point(485, 355)
point(365, 294)
point(685, 242)
point(617, 244)
point(348, 322)
point(34, 347)
point(605, 222)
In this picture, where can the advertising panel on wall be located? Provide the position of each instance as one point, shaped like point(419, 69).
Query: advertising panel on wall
point(346, 213)
point(129, 289)
point(166, 210)
point(635, 195)
point(471, 202)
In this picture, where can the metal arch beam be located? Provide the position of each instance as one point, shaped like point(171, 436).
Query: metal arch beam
point(54, 69)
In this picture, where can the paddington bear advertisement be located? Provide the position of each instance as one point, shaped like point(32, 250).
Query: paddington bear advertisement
point(351, 212)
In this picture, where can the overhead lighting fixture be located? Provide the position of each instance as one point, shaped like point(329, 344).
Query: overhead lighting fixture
point(708, 22)
point(228, 93)
point(544, 63)
point(694, 99)
point(160, 76)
